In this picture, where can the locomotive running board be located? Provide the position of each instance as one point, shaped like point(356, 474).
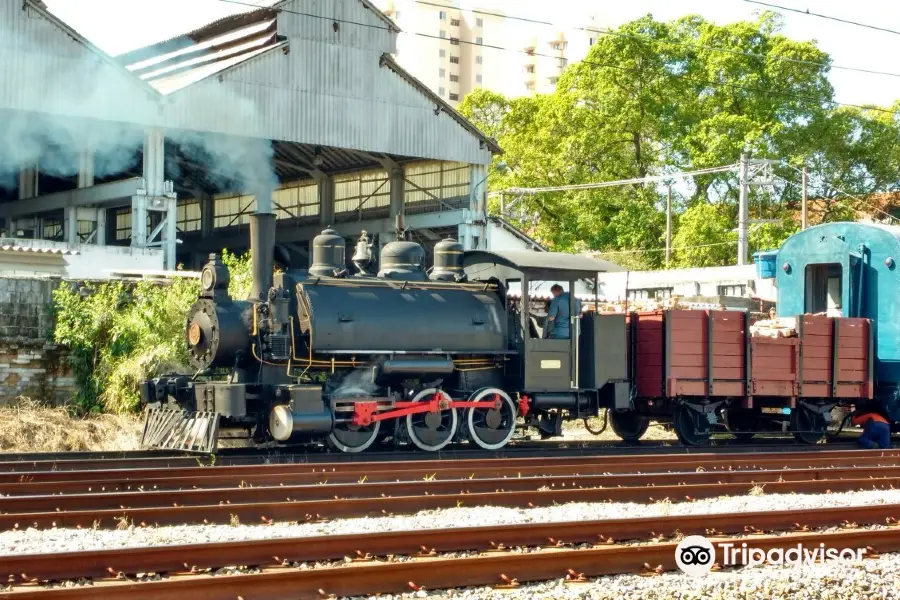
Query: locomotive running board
point(172, 429)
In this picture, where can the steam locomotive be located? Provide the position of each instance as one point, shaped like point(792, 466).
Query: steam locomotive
point(405, 355)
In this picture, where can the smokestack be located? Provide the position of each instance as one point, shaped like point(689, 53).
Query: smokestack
point(262, 254)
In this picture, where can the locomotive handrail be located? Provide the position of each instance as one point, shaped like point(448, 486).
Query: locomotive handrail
point(406, 284)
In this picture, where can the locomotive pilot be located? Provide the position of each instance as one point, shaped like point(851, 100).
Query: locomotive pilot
point(557, 325)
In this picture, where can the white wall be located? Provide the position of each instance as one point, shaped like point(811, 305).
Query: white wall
point(89, 262)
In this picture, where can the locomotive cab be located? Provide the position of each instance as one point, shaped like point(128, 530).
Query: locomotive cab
point(569, 377)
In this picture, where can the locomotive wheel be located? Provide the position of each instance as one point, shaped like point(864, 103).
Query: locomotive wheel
point(691, 427)
point(348, 437)
point(491, 428)
point(807, 425)
point(431, 431)
point(628, 425)
point(741, 424)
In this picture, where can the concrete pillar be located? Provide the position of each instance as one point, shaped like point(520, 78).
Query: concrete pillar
point(325, 186)
point(154, 162)
point(70, 225)
point(398, 191)
point(170, 233)
point(207, 213)
point(139, 221)
point(28, 182)
point(85, 168)
point(100, 235)
point(478, 190)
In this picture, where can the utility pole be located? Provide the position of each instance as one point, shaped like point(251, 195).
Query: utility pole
point(743, 212)
point(805, 209)
point(668, 224)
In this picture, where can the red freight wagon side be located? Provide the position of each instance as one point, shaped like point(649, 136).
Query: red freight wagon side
point(672, 357)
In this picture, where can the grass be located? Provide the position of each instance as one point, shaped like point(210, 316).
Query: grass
point(27, 426)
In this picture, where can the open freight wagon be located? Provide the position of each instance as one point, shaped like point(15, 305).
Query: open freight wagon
point(703, 370)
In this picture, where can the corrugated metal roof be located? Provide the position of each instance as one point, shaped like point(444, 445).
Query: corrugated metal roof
point(34, 250)
point(528, 260)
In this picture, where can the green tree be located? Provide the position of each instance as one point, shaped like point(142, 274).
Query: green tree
point(654, 97)
point(704, 237)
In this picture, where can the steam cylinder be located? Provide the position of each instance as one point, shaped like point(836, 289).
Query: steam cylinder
point(448, 261)
point(328, 254)
point(402, 260)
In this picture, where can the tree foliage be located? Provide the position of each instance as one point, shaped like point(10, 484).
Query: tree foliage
point(656, 97)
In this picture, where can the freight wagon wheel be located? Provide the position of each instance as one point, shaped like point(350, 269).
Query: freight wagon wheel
point(491, 428)
point(346, 436)
point(431, 431)
point(807, 425)
point(691, 427)
point(628, 425)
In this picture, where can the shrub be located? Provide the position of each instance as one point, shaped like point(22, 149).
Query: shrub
point(120, 333)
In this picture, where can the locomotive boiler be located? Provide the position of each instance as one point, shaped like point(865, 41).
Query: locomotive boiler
point(406, 355)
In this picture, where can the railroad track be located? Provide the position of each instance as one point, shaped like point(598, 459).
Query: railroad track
point(390, 562)
point(304, 493)
point(144, 459)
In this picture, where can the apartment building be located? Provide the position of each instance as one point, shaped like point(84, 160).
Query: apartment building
point(455, 49)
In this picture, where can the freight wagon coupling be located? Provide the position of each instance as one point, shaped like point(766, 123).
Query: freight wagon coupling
point(407, 355)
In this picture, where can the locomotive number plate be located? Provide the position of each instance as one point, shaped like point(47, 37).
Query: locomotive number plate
point(551, 364)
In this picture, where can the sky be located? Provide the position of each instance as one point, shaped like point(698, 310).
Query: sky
point(117, 26)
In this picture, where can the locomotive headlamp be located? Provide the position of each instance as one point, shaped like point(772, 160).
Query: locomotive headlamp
point(207, 279)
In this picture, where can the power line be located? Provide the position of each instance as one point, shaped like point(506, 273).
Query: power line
point(733, 86)
point(842, 192)
point(642, 250)
point(610, 32)
point(604, 184)
point(821, 16)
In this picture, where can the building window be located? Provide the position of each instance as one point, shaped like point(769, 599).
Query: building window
point(443, 34)
point(479, 41)
point(529, 68)
point(477, 60)
point(479, 22)
point(442, 16)
point(454, 22)
point(454, 60)
point(441, 92)
point(442, 73)
point(554, 80)
point(397, 16)
point(442, 53)
point(591, 42)
point(454, 77)
point(529, 86)
point(650, 293)
point(558, 45)
point(454, 97)
point(562, 62)
point(737, 291)
point(478, 78)
point(454, 41)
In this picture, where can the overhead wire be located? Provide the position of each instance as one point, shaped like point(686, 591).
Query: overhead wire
point(822, 16)
point(842, 192)
point(605, 31)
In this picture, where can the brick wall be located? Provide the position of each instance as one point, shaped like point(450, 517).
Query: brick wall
point(30, 364)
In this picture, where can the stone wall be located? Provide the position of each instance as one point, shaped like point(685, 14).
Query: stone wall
point(30, 364)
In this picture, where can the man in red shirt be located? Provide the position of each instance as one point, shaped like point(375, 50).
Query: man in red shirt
point(876, 430)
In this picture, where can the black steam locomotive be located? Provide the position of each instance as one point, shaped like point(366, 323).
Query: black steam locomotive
point(414, 356)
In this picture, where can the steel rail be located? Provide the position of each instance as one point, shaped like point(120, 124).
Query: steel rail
point(443, 475)
point(371, 577)
point(613, 464)
point(365, 489)
point(295, 509)
point(25, 568)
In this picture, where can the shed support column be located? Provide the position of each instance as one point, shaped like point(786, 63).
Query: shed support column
point(28, 188)
point(85, 179)
point(100, 234)
point(398, 191)
point(170, 233)
point(478, 190)
point(207, 213)
point(158, 196)
point(325, 187)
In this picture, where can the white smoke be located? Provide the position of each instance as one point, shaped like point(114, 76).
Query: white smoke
point(107, 112)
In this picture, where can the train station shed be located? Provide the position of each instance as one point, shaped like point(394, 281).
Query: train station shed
point(297, 109)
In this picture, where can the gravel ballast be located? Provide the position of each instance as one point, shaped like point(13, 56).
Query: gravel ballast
point(66, 540)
